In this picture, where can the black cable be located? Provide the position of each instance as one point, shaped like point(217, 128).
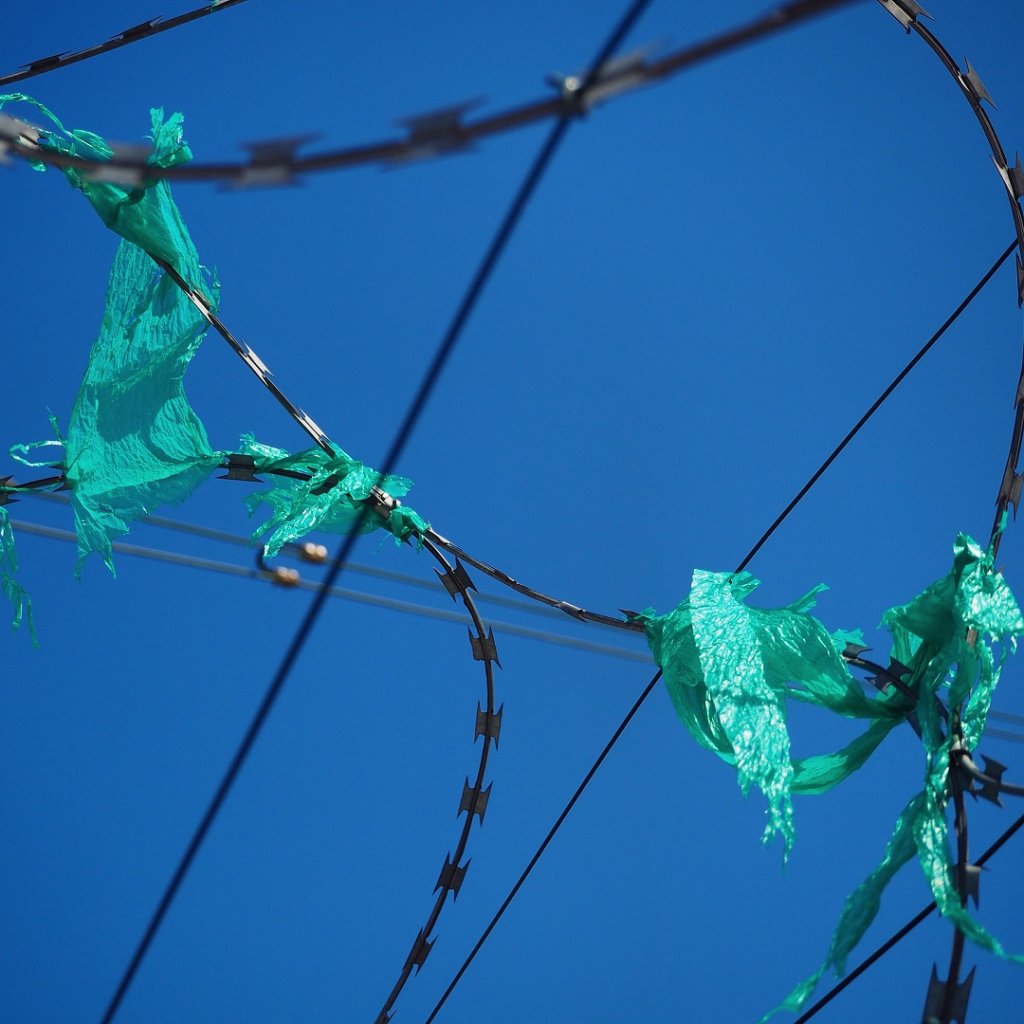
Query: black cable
point(876, 405)
point(420, 399)
point(903, 932)
point(544, 845)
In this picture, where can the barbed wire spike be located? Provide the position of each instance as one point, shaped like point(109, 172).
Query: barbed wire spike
point(420, 951)
point(1010, 488)
point(972, 882)
point(456, 580)
point(7, 498)
point(484, 647)
point(990, 790)
point(241, 467)
point(1013, 177)
point(488, 724)
point(451, 876)
point(942, 1009)
point(474, 800)
point(45, 63)
point(906, 12)
point(976, 86)
point(435, 132)
point(137, 31)
point(271, 161)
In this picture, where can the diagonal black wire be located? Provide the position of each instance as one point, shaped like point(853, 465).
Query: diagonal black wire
point(650, 686)
point(544, 844)
point(903, 932)
point(408, 424)
point(875, 406)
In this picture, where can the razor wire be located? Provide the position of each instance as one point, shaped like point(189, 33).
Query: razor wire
point(437, 133)
point(144, 30)
point(907, 13)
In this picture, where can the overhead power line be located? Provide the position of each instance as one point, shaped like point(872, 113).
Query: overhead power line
point(358, 596)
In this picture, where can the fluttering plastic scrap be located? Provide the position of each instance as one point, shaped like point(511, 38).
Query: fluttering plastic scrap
point(729, 668)
point(133, 441)
point(945, 635)
point(13, 590)
point(330, 500)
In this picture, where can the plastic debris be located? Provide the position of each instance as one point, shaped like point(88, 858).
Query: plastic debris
point(945, 636)
point(332, 499)
point(729, 668)
point(13, 590)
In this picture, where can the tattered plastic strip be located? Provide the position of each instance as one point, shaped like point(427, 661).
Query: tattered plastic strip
point(944, 635)
point(12, 589)
point(133, 441)
point(729, 668)
point(326, 493)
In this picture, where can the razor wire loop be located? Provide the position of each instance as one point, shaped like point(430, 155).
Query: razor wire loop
point(952, 994)
point(145, 29)
point(438, 133)
point(475, 796)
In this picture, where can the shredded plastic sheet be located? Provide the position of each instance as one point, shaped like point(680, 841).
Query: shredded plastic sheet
point(143, 214)
point(300, 506)
point(729, 668)
point(134, 442)
point(944, 635)
point(14, 591)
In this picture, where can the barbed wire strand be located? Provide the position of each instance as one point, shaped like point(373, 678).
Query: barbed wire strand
point(437, 133)
point(637, 704)
point(145, 29)
point(423, 393)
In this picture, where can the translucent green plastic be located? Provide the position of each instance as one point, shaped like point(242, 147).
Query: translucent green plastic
point(729, 669)
point(298, 508)
point(133, 442)
point(945, 636)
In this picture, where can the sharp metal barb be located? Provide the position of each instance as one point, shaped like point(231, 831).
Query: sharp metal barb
point(946, 1004)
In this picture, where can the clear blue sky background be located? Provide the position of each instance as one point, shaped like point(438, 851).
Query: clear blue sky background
point(714, 280)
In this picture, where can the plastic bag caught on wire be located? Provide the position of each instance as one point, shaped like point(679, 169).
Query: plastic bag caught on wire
point(331, 499)
point(729, 668)
point(945, 636)
point(133, 441)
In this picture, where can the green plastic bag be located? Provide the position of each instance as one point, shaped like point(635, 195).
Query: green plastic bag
point(13, 590)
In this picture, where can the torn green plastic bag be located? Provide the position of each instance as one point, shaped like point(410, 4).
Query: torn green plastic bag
point(133, 441)
point(944, 635)
point(727, 667)
point(300, 506)
point(14, 591)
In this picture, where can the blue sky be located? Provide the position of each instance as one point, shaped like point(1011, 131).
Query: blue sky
point(716, 277)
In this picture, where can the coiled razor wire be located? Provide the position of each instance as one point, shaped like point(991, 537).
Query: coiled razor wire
point(443, 132)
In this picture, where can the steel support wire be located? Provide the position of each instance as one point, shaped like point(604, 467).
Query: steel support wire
point(143, 30)
point(274, 161)
point(423, 393)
